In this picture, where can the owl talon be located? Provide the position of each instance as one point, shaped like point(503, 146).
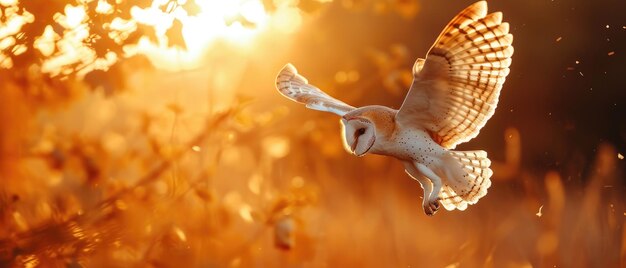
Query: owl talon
point(435, 205)
point(431, 207)
point(428, 211)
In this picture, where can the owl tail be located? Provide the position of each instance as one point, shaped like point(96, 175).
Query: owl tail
point(467, 180)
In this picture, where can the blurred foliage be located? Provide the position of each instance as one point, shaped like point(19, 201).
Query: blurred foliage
point(129, 165)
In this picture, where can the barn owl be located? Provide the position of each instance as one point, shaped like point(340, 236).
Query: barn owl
point(454, 92)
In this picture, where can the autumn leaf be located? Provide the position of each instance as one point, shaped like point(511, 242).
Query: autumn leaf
point(192, 8)
point(175, 35)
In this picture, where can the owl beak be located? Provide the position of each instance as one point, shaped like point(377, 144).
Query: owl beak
point(353, 146)
point(370, 143)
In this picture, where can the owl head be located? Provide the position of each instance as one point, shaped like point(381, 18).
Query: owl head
point(361, 127)
point(359, 134)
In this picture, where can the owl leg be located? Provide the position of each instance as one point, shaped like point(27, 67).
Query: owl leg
point(429, 206)
point(433, 199)
point(424, 182)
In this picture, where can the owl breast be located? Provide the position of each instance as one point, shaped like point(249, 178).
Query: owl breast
point(412, 145)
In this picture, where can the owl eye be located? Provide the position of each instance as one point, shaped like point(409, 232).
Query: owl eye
point(360, 131)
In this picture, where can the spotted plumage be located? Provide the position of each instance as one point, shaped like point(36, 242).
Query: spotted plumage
point(455, 91)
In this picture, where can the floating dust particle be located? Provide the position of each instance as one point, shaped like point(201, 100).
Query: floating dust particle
point(577, 62)
point(620, 156)
point(195, 148)
point(570, 68)
point(611, 53)
point(581, 74)
point(180, 234)
point(539, 213)
point(559, 39)
point(607, 26)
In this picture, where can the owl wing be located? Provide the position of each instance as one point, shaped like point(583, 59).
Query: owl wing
point(455, 89)
point(295, 87)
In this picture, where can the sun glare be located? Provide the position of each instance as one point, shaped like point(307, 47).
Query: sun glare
point(236, 22)
point(184, 36)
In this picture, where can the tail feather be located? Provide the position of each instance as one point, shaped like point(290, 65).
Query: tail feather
point(468, 184)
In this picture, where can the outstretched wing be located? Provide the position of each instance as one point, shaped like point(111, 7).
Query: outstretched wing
point(456, 89)
point(295, 87)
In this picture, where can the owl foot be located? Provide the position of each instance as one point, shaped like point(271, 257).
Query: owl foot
point(431, 207)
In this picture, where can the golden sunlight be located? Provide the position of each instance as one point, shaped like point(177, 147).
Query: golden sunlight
point(156, 133)
point(178, 38)
point(235, 22)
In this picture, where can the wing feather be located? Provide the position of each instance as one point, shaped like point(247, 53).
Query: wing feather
point(455, 90)
point(296, 87)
